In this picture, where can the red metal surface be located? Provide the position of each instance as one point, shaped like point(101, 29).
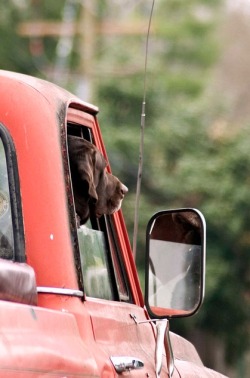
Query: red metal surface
point(36, 342)
point(115, 323)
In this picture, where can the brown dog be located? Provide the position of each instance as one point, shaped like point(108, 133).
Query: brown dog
point(96, 192)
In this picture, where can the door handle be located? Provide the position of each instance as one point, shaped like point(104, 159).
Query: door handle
point(123, 363)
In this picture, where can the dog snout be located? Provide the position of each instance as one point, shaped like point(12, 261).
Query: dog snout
point(123, 190)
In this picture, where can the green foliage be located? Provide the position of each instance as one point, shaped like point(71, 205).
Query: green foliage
point(216, 180)
point(14, 50)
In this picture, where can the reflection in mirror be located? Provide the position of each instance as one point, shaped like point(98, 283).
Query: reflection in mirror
point(175, 271)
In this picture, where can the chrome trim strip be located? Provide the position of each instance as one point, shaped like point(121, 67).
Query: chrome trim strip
point(59, 290)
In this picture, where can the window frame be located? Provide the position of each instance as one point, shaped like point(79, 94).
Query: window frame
point(15, 196)
point(79, 119)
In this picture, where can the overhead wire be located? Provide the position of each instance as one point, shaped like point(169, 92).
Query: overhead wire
point(142, 132)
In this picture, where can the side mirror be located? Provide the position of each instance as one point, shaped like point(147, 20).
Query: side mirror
point(17, 282)
point(175, 263)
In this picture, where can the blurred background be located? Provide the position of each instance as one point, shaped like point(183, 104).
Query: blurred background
point(197, 134)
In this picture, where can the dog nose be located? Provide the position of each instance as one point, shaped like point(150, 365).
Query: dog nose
point(124, 189)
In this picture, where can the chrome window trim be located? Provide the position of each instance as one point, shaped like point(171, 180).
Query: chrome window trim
point(60, 291)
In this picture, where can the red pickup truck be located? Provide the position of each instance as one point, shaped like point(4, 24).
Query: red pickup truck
point(71, 304)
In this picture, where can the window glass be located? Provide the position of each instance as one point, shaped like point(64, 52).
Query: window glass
point(6, 229)
point(93, 253)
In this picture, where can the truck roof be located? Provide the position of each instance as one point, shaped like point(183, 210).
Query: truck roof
point(49, 90)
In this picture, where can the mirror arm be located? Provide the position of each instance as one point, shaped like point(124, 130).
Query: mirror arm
point(163, 340)
point(169, 351)
point(161, 327)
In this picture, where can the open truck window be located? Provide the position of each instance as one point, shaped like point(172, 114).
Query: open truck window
point(100, 260)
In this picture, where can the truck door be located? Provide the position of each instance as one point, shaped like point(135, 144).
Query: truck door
point(124, 339)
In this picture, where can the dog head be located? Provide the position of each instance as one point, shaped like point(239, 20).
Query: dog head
point(96, 192)
point(181, 227)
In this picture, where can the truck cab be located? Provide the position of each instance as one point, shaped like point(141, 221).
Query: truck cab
point(71, 304)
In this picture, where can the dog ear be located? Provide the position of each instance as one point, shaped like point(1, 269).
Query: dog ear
point(82, 162)
point(86, 174)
